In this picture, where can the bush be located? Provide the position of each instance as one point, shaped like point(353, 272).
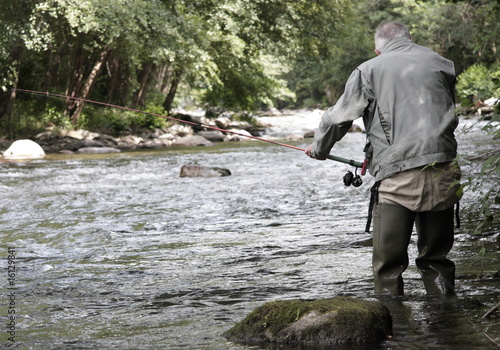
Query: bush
point(108, 121)
point(477, 83)
point(117, 121)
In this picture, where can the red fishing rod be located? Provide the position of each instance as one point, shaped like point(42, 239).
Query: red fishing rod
point(351, 162)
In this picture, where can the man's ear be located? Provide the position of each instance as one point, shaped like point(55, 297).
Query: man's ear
point(377, 52)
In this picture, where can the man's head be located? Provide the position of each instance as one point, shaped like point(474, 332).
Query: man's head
point(387, 31)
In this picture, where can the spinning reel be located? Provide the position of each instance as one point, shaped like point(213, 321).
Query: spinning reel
point(353, 179)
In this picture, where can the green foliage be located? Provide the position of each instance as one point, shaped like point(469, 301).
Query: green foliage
point(241, 55)
point(55, 117)
point(464, 31)
point(476, 82)
point(117, 122)
point(317, 75)
point(24, 122)
point(13, 22)
point(245, 86)
point(109, 121)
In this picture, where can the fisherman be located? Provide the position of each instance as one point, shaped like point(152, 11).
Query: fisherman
point(405, 96)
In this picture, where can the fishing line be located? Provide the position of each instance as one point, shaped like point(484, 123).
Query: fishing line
point(351, 162)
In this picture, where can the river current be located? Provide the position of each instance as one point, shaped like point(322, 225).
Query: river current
point(117, 251)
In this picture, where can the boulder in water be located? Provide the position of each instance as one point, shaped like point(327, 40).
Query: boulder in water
point(202, 171)
point(336, 321)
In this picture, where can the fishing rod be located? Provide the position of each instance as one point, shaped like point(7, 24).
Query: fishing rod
point(351, 162)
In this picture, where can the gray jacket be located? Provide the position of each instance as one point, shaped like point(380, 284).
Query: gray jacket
point(406, 99)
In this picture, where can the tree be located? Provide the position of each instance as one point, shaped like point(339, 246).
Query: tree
point(13, 23)
point(237, 54)
point(245, 46)
point(464, 31)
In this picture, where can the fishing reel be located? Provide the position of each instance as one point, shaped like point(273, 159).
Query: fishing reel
point(353, 179)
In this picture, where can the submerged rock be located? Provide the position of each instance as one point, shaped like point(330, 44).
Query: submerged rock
point(336, 321)
point(202, 171)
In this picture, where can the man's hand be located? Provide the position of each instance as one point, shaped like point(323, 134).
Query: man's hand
point(309, 152)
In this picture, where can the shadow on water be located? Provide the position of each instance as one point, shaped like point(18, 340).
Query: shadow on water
point(119, 252)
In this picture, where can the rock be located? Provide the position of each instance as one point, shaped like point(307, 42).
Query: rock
point(213, 136)
point(238, 124)
point(237, 135)
point(106, 140)
point(222, 122)
point(155, 143)
point(294, 137)
point(195, 140)
point(97, 150)
point(336, 321)
point(156, 133)
point(309, 134)
point(131, 140)
point(257, 130)
point(180, 130)
point(46, 136)
point(82, 134)
point(167, 136)
point(91, 143)
point(24, 149)
point(201, 171)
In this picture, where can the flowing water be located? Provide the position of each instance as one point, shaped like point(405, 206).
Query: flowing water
point(119, 252)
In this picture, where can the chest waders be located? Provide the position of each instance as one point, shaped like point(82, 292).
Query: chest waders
point(392, 229)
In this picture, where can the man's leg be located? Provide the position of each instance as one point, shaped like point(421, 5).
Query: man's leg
point(435, 239)
point(392, 228)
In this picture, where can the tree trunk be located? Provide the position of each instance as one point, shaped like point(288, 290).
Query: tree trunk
point(77, 105)
point(144, 80)
point(6, 103)
point(169, 100)
point(118, 80)
point(74, 82)
point(164, 78)
point(8, 96)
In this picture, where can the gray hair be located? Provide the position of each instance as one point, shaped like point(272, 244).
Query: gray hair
point(389, 30)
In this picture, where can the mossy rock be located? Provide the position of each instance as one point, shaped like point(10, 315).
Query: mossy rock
point(336, 321)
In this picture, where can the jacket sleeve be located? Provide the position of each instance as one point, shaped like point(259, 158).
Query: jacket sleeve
point(337, 120)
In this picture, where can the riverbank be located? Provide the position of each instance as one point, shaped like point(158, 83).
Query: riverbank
point(84, 141)
point(198, 131)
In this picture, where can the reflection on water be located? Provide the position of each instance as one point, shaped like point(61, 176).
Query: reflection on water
point(117, 251)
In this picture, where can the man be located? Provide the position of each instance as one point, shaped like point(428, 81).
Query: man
point(406, 98)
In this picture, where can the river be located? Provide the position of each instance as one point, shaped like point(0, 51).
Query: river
point(117, 251)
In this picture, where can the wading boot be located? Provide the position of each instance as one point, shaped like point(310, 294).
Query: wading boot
point(435, 239)
point(392, 228)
